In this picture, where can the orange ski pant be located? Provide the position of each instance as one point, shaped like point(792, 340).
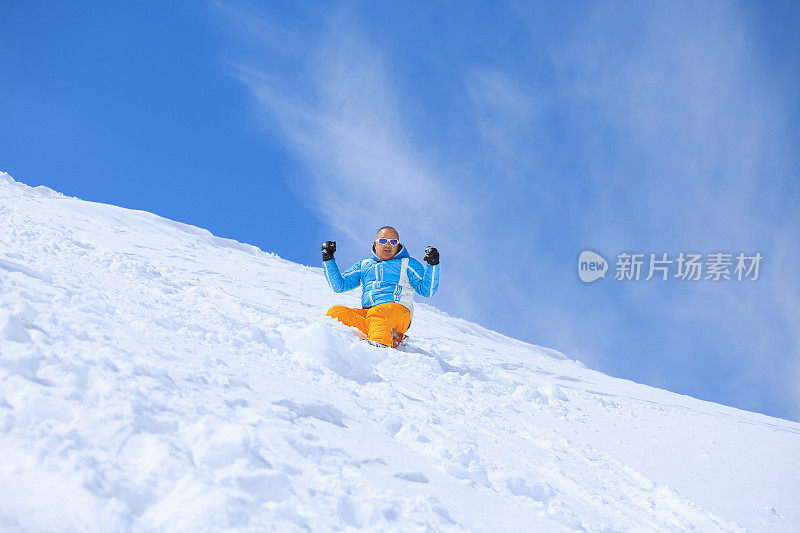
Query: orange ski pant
point(376, 322)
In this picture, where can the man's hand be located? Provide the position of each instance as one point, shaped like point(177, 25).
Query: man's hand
point(328, 247)
point(431, 255)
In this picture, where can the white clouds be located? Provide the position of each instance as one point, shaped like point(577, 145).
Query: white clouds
point(342, 119)
point(684, 98)
point(700, 122)
point(503, 110)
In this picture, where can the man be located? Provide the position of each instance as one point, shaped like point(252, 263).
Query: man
point(388, 280)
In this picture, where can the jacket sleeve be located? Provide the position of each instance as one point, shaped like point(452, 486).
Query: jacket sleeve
point(425, 280)
point(342, 282)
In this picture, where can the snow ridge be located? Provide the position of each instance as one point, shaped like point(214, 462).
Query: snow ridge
point(154, 376)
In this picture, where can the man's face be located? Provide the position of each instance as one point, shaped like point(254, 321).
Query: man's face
point(386, 251)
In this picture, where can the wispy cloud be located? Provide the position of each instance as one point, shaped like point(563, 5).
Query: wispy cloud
point(675, 144)
point(350, 133)
point(504, 112)
point(698, 170)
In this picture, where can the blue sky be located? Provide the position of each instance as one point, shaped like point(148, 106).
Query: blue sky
point(513, 136)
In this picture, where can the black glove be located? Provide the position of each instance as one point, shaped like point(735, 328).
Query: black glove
point(431, 255)
point(328, 247)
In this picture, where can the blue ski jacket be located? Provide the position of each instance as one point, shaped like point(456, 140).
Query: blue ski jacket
point(394, 280)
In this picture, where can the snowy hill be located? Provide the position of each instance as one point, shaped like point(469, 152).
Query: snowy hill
point(153, 376)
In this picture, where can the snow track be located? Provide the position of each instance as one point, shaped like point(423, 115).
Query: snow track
point(156, 377)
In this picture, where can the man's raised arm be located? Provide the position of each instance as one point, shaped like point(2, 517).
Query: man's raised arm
point(426, 282)
point(337, 281)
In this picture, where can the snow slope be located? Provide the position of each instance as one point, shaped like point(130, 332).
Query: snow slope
point(156, 377)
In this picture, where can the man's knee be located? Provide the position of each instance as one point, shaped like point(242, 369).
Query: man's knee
point(397, 317)
point(347, 316)
point(337, 311)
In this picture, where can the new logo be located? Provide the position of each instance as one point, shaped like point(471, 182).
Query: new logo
point(591, 266)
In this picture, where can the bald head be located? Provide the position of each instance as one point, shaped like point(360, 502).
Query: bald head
point(388, 232)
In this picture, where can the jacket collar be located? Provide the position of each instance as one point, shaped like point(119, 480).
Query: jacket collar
point(400, 255)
